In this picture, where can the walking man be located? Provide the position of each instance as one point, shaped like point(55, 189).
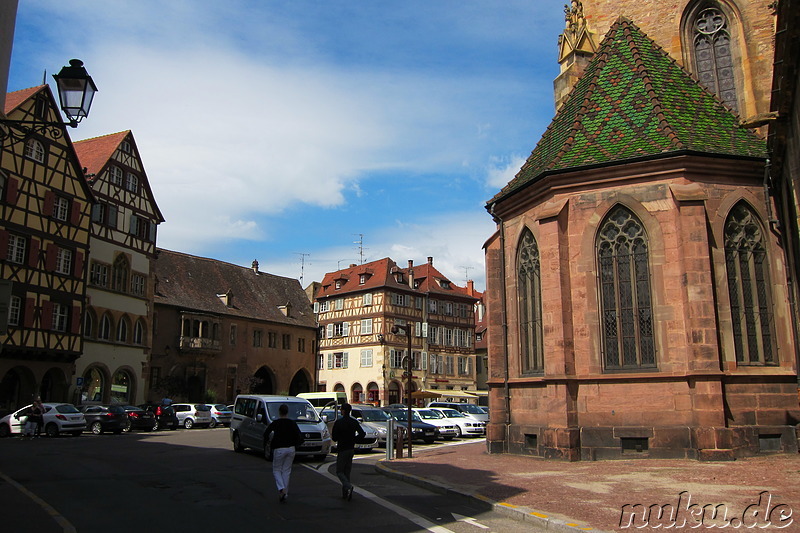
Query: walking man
point(345, 432)
point(286, 436)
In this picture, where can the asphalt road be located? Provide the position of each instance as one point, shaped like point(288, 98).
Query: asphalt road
point(192, 481)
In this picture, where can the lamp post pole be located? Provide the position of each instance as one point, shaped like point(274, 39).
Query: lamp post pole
point(409, 382)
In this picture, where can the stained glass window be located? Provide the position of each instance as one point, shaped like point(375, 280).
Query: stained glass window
point(530, 304)
point(713, 58)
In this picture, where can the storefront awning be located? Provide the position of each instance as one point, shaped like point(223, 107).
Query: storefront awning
point(478, 392)
point(425, 394)
point(457, 394)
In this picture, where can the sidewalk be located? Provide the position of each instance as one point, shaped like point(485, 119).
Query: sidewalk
point(589, 496)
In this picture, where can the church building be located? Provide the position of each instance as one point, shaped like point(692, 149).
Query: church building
point(637, 295)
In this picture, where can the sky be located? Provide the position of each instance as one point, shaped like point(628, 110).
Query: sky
point(311, 135)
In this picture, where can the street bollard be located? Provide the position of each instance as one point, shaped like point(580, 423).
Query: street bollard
point(390, 439)
point(399, 442)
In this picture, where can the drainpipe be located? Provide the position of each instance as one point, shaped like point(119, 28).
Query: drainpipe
point(504, 306)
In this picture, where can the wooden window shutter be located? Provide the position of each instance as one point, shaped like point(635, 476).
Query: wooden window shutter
point(47, 315)
point(12, 191)
point(33, 253)
point(75, 215)
point(30, 312)
point(4, 243)
point(330, 361)
point(49, 202)
point(344, 359)
point(75, 319)
point(50, 257)
point(77, 265)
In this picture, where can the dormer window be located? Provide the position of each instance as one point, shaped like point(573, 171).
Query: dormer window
point(337, 284)
point(443, 283)
point(398, 277)
point(362, 279)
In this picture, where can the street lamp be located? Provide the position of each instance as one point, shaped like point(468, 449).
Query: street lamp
point(407, 328)
point(76, 91)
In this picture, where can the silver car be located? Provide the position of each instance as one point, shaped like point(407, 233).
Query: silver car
point(193, 414)
point(372, 437)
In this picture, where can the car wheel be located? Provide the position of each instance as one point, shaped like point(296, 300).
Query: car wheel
point(5, 431)
point(458, 432)
point(155, 426)
point(188, 423)
point(213, 424)
point(127, 427)
point(237, 444)
point(51, 430)
point(96, 428)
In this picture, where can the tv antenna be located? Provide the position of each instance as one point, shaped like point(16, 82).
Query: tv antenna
point(302, 264)
point(360, 243)
point(466, 274)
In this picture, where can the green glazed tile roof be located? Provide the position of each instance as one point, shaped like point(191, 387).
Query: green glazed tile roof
point(634, 101)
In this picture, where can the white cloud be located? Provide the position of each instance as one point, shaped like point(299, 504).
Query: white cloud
point(502, 170)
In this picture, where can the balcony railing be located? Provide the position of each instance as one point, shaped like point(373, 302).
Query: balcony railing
point(200, 344)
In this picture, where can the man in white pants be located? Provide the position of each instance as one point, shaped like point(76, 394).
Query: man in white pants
point(286, 436)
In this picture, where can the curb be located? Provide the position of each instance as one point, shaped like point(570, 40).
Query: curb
point(516, 512)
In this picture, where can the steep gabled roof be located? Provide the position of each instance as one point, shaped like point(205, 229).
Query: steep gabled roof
point(377, 274)
point(431, 281)
point(634, 101)
point(197, 284)
point(94, 153)
point(15, 99)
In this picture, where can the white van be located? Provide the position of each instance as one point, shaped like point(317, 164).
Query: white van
point(323, 399)
point(252, 413)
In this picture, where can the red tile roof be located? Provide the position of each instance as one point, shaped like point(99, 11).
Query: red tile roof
point(94, 153)
point(13, 100)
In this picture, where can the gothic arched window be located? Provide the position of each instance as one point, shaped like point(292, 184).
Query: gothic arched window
point(711, 45)
point(121, 273)
point(529, 295)
point(748, 287)
point(624, 272)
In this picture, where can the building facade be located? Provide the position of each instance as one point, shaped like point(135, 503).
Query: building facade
point(118, 319)
point(636, 288)
point(44, 241)
point(360, 354)
point(221, 329)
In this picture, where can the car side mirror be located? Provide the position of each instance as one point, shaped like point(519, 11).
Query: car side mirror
point(260, 417)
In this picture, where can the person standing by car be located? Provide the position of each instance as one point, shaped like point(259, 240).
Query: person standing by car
point(286, 436)
point(35, 419)
point(345, 432)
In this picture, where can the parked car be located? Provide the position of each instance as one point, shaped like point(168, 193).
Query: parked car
point(58, 418)
point(165, 415)
point(419, 429)
point(374, 417)
point(138, 418)
point(253, 412)
point(469, 409)
point(193, 414)
point(331, 414)
point(447, 428)
point(466, 426)
point(221, 415)
point(103, 418)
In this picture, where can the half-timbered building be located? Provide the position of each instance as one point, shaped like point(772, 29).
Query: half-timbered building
point(45, 210)
point(359, 354)
point(118, 318)
point(220, 329)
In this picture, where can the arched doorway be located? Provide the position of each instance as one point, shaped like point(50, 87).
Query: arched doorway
point(394, 392)
point(356, 393)
point(122, 387)
point(16, 389)
point(299, 384)
point(54, 386)
point(373, 394)
point(338, 388)
point(263, 382)
point(94, 385)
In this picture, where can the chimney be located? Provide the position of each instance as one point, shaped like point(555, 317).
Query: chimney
point(255, 266)
point(430, 260)
point(471, 287)
point(411, 273)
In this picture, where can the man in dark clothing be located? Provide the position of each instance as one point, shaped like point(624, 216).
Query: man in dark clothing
point(345, 432)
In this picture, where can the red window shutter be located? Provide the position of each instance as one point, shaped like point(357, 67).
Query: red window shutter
point(47, 314)
point(78, 265)
point(30, 311)
point(12, 191)
point(75, 322)
point(75, 216)
point(33, 253)
point(49, 202)
point(4, 243)
point(50, 257)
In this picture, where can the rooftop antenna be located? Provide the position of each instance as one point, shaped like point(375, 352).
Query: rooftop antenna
point(44, 77)
point(360, 243)
point(466, 274)
point(302, 265)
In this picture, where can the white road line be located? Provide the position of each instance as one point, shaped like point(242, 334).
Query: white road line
point(63, 522)
point(421, 522)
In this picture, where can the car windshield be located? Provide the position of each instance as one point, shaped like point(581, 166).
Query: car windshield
point(427, 414)
point(471, 409)
point(371, 415)
point(403, 415)
point(452, 413)
point(298, 411)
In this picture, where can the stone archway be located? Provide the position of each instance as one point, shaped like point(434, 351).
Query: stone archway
point(54, 386)
point(299, 384)
point(17, 389)
point(264, 382)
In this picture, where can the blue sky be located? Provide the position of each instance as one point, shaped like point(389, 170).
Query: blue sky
point(272, 129)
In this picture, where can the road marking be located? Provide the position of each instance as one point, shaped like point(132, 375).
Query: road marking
point(63, 522)
point(468, 520)
point(420, 521)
